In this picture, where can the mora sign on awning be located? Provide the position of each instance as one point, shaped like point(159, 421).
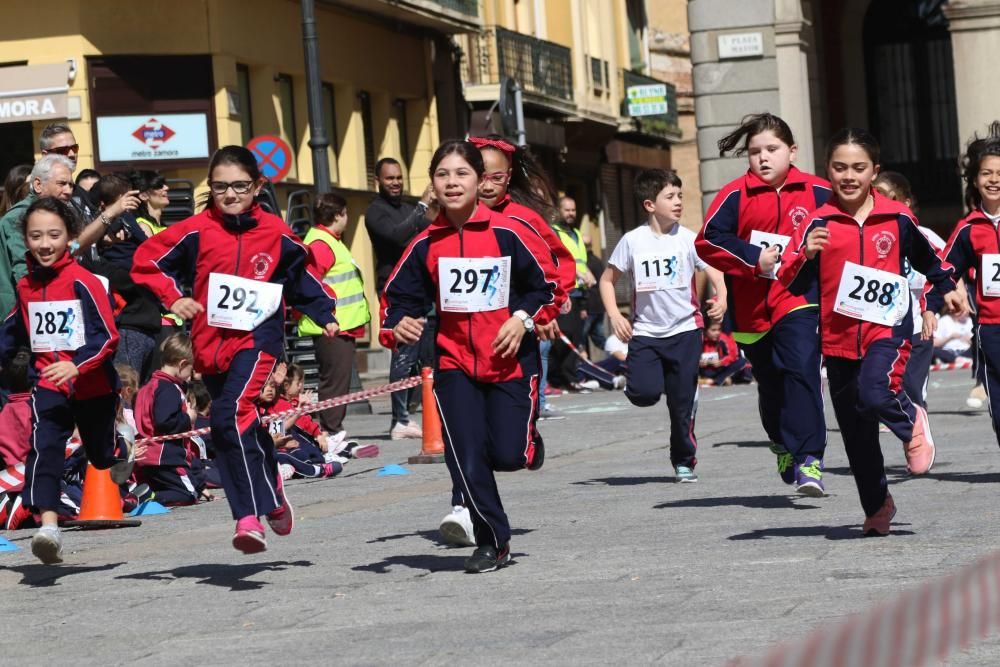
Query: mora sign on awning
point(648, 100)
point(33, 92)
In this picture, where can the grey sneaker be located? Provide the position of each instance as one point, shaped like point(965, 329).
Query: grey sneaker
point(121, 470)
point(685, 475)
point(551, 414)
point(47, 545)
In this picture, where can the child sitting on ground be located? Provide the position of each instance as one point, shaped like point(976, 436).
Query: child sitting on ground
point(171, 468)
point(721, 362)
point(130, 387)
point(297, 451)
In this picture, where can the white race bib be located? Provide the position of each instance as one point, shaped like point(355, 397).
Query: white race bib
point(872, 295)
point(707, 357)
point(56, 326)
point(473, 284)
point(240, 303)
point(657, 271)
point(764, 240)
point(989, 275)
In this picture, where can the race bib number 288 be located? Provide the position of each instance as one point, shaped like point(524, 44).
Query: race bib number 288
point(473, 284)
point(872, 295)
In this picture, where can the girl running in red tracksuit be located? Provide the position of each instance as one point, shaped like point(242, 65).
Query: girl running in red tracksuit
point(747, 226)
point(515, 186)
point(850, 254)
point(491, 281)
point(243, 264)
point(975, 244)
point(63, 313)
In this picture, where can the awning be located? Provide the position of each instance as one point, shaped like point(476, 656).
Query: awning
point(33, 92)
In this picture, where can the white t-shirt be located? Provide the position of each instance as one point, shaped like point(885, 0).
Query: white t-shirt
point(613, 344)
point(947, 325)
point(918, 281)
point(663, 266)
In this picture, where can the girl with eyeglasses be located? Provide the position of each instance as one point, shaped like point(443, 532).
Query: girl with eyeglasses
point(243, 265)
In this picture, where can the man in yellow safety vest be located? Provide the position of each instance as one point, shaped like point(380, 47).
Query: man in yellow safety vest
point(335, 355)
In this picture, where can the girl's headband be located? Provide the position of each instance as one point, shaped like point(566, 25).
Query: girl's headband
point(499, 144)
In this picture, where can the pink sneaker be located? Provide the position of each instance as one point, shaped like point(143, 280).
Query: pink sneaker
point(249, 536)
point(920, 449)
point(877, 525)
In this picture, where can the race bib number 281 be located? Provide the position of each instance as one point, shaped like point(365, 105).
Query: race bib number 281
point(473, 284)
point(872, 295)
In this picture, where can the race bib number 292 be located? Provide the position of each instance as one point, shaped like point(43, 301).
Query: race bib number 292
point(241, 303)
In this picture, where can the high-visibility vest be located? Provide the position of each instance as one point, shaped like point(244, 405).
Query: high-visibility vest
point(167, 318)
point(574, 243)
point(153, 225)
point(345, 279)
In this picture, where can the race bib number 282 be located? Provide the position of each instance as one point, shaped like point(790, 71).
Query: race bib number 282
point(56, 326)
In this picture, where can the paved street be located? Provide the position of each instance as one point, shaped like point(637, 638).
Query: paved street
point(613, 561)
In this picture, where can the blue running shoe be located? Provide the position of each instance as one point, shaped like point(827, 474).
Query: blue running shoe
point(809, 478)
point(685, 475)
point(786, 464)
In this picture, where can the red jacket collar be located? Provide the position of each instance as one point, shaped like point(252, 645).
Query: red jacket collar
point(795, 177)
point(46, 273)
point(502, 204)
point(480, 216)
point(883, 206)
point(163, 375)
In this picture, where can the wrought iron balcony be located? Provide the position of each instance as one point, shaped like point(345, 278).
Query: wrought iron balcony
point(467, 7)
point(662, 125)
point(544, 69)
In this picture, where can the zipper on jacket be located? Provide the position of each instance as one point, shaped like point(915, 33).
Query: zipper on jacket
point(861, 246)
point(472, 340)
point(236, 272)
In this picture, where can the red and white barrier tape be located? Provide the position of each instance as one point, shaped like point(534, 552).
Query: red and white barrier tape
point(918, 627)
point(305, 409)
point(961, 362)
point(580, 354)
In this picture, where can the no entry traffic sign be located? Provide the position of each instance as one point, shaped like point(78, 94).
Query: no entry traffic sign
point(274, 156)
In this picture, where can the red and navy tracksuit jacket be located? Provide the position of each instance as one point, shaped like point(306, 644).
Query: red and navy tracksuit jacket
point(725, 347)
point(974, 236)
point(561, 256)
point(161, 409)
point(888, 237)
point(66, 280)
point(744, 205)
point(465, 340)
point(255, 245)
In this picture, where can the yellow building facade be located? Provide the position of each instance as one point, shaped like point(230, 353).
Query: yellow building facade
point(236, 69)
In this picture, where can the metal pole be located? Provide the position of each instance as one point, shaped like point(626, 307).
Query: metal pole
point(522, 136)
point(318, 141)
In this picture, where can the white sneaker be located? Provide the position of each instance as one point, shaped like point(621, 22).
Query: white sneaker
point(336, 441)
point(47, 545)
point(593, 385)
point(619, 382)
point(403, 431)
point(456, 528)
point(286, 470)
point(334, 457)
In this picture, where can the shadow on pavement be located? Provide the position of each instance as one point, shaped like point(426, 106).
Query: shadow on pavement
point(971, 412)
point(849, 532)
point(743, 443)
point(434, 536)
point(626, 481)
point(41, 576)
point(233, 577)
point(752, 502)
point(427, 562)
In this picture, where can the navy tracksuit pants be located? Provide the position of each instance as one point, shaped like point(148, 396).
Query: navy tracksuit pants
point(307, 458)
point(786, 365)
point(53, 416)
point(175, 485)
point(657, 366)
point(988, 353)
point(486, 427)
point(865, 392)
point(917, 370)
point(244, 450)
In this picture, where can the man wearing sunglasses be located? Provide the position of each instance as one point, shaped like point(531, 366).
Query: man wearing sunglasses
point(58, 139)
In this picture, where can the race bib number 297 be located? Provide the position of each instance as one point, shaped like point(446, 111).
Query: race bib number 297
point(473, 284)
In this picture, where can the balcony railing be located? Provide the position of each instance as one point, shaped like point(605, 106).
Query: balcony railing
point(660, 125)
point(467, 7)
point(543, 69)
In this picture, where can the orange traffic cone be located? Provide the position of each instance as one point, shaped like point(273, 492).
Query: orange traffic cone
point(432, 450)
point(102, 503)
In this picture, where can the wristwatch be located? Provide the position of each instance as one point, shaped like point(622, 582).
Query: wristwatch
point(529, 324)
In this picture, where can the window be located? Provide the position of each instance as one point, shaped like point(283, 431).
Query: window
point(246, 110)
point(365, 98)
point(330, 121)
point(286, 102)
point(399, 112)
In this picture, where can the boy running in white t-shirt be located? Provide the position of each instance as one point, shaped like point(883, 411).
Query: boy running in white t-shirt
point(664, 338)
